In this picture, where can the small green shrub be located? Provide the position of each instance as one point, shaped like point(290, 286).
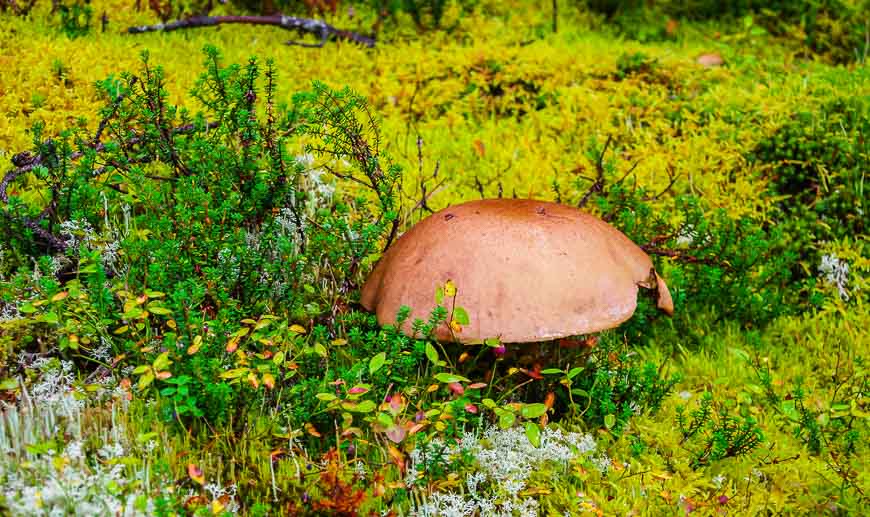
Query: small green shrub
point(730, 267)
point(832, 28)
point(712, 433)
point(75, 18)
point(611, 384)
point(815, 164)
point(172, 228)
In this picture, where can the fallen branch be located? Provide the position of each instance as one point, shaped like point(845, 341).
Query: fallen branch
point(303, 25)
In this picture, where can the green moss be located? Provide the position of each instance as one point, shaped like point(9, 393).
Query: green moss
point(769, 145)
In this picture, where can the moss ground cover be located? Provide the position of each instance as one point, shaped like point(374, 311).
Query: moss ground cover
point(191, 342)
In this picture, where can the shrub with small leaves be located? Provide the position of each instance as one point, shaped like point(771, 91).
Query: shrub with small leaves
point(712, 433)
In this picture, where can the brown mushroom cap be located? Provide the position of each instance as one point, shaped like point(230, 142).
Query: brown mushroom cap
point(524, 271)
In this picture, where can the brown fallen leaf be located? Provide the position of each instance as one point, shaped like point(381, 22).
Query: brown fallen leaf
point(710, 60)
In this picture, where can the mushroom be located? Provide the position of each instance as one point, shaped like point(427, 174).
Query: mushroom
point(524, 271)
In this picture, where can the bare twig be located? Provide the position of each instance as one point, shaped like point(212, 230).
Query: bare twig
point(319, 28)
point(683, 256)
point(672, 177)
point(598, 184)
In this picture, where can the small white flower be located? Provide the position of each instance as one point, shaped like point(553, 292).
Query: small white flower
point(686, 236)
point(601, 463)
point(74, 450)
point(685, 395)
point(719, 480)
point(836, 273)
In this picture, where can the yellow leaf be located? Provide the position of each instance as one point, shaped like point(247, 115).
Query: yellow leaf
point(121, 330)
point(297, 329)
point(171, 324)
point(269, 380)
point(449, 289)
point(252, 379)
point(339, 342)
point(59, 296)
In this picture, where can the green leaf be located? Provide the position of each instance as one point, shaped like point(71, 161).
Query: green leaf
point(162, 362)
point(160, 311)
point(145, 437)
point(573, 372)
point(439, 295)
point(492, 342)
point(146, 380)
point(533, 410)
point(133, 313)
point(365, 406)
point(790, 411)
point(319, 349)
point(8, 384)
point(235, 373)
point(506, 420)
point(431, 353)
point(139, 370)
point(385, 419)
point(377, 362)
point(326, 397)
point(460, 315)
point(448, 378)
point(552, 371)
point(28, 308)
point(610, 420)
point(533, 433)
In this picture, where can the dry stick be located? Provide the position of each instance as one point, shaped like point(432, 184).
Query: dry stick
point(303, 25)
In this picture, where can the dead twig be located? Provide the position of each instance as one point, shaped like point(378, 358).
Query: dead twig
point(319, 28)
point(683, 256)
point(598, 184)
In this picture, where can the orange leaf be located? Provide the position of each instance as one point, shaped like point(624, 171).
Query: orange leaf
point(479, 148)
point(312, 430)
point(252, 379)
point(398, 457)
point(195, 473)
point(549, 399)
point(269, 380)
point(232, 345)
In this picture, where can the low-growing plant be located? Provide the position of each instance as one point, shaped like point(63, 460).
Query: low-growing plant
point(815, 163)
point(713, 433)
point(75, 18)
point(169, 256)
